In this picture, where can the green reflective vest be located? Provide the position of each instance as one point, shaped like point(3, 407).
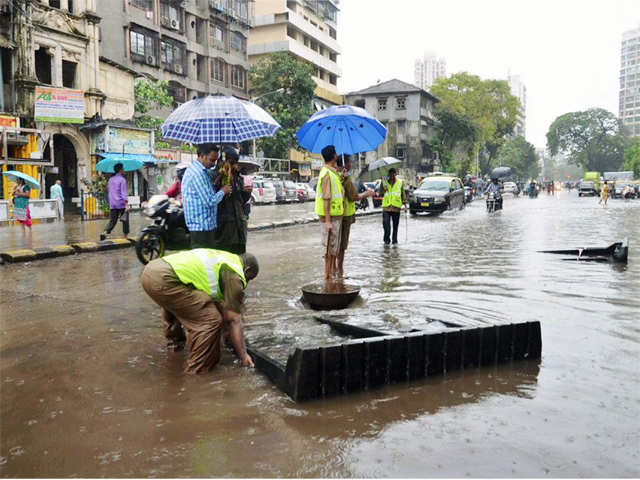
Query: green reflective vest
point(392, 195)
point(201, 268)
point(336, 205)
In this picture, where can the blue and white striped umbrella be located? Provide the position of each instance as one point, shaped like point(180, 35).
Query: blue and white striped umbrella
point(350, 129)
point(218, 119)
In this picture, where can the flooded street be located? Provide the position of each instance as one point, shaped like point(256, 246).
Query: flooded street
point(88, 388)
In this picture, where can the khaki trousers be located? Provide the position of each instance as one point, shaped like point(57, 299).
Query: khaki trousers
point(185, 307)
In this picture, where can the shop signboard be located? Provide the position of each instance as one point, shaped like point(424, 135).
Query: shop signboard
point(9, 121)
point(316, 163)
point(128, 140)
point(59, 105)
point(305, 170)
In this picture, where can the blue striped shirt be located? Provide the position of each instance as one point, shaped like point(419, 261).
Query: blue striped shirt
point(199, 199)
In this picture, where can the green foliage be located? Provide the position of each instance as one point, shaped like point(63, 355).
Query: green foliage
point(150, 96)
point(456, 134)
point(593, 139)
point(488, 104)
point(632, 157)
point(290, 107)
point(521, 156)
point(97, 187)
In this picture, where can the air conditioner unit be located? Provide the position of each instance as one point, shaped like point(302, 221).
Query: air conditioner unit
point(174, 24)
point(151, 59)
point(178, 69)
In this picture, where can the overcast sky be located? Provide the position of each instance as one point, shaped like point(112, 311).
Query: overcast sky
point(566, 51)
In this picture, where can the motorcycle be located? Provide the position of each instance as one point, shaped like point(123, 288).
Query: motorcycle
point(533, 192)
point(168, 231)
point(493, 202)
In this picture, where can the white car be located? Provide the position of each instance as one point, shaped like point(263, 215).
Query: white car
point(510, 187)
point(263, 192)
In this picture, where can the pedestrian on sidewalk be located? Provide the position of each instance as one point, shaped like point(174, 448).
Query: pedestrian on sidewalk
point(118, 202)
point(20, 195)
point(199, 198)
point(351, 196)
point(393, 198)
point(330, 209)
point(57, 195)
point(231, 234)
point(201, 291)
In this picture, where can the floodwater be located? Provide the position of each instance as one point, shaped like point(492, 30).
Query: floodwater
point(88, 388)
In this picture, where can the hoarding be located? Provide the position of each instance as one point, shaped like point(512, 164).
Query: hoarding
point(128, 140)
point(59, 105)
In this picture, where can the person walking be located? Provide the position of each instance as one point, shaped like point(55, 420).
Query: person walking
point(231, 234)
point(118, 202)
point(20, 196)
point(55, 192)
point(393, 198)
point(351, 196)
point(199, 198)
point(201, 291)
point(604, 193)
point(330, 208)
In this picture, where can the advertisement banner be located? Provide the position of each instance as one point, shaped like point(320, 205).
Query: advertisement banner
point(305, 170)
point(129, 140)
point(59, 105)
point(9, 121)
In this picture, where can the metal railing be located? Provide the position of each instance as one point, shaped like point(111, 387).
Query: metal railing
point(93, 206)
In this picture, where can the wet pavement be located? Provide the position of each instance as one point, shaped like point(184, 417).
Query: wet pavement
point(73, 229)
point(89, 390)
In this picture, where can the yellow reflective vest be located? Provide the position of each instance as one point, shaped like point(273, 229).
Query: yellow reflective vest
point(336, 204)
point(392, 195)
point(201, 268)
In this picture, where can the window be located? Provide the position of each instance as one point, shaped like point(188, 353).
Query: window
point(238, 42)
point(240, 9)
point(333, 80)
point(382, 104)
point(218, 70)
point(333, 57)
point(69, 74)
point(218, 36)
point(177, 91)
point(54, 3)
point(170, 16)
point(43, 65)
point(400, 151)
point(291, 32)
point(401, 103)
point(359, 103)
point(172, 56)
point(238, 77)
point(143, 4)
point(401, 126)
point(143, 46)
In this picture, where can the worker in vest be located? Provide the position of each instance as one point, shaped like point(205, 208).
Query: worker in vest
point(351, 196)
point(330, 209)
point(393, 199)
point(201, 291)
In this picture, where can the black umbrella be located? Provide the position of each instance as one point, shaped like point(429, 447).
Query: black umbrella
point(500, 172)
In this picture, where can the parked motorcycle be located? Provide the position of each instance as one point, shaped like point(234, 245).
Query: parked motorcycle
point(493, 202)
point(168, 231)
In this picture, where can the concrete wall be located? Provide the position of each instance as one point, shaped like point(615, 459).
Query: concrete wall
point(117, 85)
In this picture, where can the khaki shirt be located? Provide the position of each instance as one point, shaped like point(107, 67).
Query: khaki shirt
point(232, 291)
point(350, 193)
point(325, 187)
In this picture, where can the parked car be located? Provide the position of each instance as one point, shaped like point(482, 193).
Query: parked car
point(291, 191)
point(311, 193)
point(436, 194)
point(281, 192)
point(511, 187)
point(303, 194)
point(263, 192)
point(587, 188)
point(468, 195)
point(616, 191)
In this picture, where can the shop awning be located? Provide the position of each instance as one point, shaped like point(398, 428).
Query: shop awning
point(142, 157)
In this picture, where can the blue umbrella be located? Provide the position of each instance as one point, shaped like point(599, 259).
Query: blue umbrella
point(29, 180)
point(350, 129)
point(129, 163)
point(218, 119)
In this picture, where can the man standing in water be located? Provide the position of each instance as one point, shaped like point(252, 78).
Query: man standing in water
point(393, 199)
point(330, 209)
point(201, 291)
point(351, 196)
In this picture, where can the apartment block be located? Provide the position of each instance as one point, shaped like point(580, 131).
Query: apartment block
point(306, 29)
point(519, 90)
point(429, 68)
point(629, 95)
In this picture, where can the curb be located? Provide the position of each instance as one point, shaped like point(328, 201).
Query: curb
point(27, 255)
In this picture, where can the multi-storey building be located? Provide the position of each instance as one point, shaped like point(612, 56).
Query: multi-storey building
point(407, 112)
point(427, 69)
point(629, 97)
point(198, 46)
point(306, 29)
point(519, 90)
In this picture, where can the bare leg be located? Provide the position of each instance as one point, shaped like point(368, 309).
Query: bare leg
point(328, 266)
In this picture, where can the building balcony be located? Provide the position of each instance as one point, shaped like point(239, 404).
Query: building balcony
point(297, 21)
point(298, 49)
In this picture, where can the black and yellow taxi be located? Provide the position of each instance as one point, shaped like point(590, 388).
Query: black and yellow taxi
point(436, 194)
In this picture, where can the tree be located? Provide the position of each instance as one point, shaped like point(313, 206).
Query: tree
point(592, 139)
point(291, 106)
point(488, 103)
point(456, 133)
point(149, 96)
point(521, 156)
point(632, 157)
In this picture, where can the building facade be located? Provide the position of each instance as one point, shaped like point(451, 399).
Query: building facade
point(629, 96)
point(519, 90)
point(306, 29)
point(427, 69)
point(54, 81)
point(198, 46)
point(407, 112)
